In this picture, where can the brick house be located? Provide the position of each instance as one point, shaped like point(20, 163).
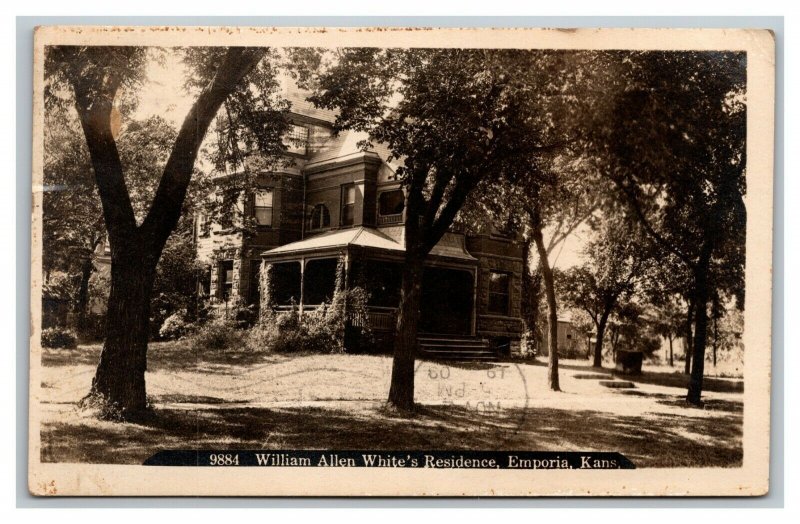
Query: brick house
point(337, 201)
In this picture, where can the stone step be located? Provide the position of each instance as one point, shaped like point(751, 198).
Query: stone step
point(592, 376)
point(448, 347)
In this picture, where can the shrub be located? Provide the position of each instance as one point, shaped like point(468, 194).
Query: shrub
point(217, 335)
point(280, 332)
point(323, 330)
point(59, 338)
point(175, 326)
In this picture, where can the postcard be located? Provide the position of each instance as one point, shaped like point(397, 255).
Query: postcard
point(401, 261)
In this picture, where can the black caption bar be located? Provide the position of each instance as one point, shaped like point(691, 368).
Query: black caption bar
point(393, 459)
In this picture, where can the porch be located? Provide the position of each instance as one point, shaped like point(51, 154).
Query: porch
point(306, 274)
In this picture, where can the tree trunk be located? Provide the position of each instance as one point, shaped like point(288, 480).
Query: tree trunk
point(687, 364)
point(671, 361)
point(700, 327)
point(530, 296)
point(401, 391)
point(598, 345)
point(87, 268)
point(552, 313)
point(119, 382)
point(716, 340)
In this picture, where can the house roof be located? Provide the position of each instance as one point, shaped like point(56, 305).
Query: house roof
point(346, 143)
point(386, 239)
point(300, 105)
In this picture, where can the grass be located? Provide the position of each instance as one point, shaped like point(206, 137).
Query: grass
point(243, 400)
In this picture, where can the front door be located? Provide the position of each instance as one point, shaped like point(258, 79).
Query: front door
point(447, 301)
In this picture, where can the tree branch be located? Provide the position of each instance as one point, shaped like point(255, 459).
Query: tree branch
point(633, 201)
point(445, 219)
point(166, 207)
point(94, 101)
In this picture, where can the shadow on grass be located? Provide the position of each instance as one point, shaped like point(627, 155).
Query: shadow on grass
point(675, 379)
point(167, 356)
point(471, 365)
point(679, 401)
point(650, 440)
point(679, 380)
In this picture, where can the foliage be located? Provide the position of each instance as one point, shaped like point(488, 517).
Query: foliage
point(669, 319)
point(675, 149)
point(95, 79)
point(217, 335)
point(73, 219)
point(175, 326)
point(322, 330)
point(246, 138)
point(99, 289)
point(452, 118)
point(629, 329)
point(59, 288)
point(59, 338)
point(93, 327)
point(616, 259)
point(265, 284)
point(175, 285)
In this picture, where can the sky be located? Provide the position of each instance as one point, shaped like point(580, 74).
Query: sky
point(163, 94)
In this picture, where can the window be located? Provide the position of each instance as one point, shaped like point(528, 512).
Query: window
point(348, 205)
point(225, 279)
point(296, 139)
point(391, 202)
point(262, 208)
point(498, 292)
point(320, 217)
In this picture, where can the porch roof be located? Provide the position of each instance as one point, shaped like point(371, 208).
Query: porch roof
point(385, 239)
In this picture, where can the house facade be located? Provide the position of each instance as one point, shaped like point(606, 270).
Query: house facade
point(336, 201)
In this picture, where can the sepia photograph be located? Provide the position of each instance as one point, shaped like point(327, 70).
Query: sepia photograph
point(401, 262)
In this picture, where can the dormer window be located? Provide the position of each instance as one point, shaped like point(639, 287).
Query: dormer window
point(296, 139)
point(320, 217)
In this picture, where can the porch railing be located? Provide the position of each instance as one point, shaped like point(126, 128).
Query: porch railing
point(390, 219)
point(377, 318)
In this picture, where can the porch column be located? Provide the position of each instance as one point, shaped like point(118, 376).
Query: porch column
point(302, 282)
point(346, 268)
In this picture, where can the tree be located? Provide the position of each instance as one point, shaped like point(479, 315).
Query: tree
point(616, 260)
point(514, 205)
point(72, 227)
point(675, 149)
point(556, 190)
point(94, 77)
point(669, 323)
point(453, 117)
point(72, 216)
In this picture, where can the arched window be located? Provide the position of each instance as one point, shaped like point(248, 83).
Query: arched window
point(320, 217)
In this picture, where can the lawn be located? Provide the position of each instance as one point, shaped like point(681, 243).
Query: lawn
point(311, 401)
